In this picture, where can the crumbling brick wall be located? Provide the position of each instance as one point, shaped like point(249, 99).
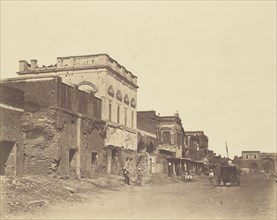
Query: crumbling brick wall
point(11, 109)
point(51, 143)
point(92, 142)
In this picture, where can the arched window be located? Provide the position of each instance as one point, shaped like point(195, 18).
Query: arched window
point(119, 95)
point(87, 86)
point(126, 100)
point(133, 103)
point(111, 91)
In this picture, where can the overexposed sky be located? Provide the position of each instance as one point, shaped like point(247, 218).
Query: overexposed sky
point(214, 62)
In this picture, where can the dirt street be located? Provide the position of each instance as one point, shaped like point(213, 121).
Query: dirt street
point(255, 198)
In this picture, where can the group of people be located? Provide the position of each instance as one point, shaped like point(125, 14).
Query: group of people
point(126, 176)
point(186, 176)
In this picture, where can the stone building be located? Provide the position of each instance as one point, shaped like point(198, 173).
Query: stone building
point(256, 161)
point(11, 134)
point(198, 142)
point(251, 160)
point(63, 133)
point(196, 148)
point(170, 134)
point(115, 86)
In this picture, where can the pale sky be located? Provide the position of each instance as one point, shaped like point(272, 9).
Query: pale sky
point(213, 62)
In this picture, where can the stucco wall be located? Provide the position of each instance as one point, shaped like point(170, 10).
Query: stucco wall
point(118, 136)
point(173, 147)
point(251, 155)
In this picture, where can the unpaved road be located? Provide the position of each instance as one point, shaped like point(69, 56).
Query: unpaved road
point(255, 198)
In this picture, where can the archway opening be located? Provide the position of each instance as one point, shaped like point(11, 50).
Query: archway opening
point(253, 167)
point(87, 87)
point(141, 146)
point(268, 165)
point(150, 148)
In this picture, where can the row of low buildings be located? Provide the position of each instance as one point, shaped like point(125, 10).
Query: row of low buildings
point(79, 118)
point(257, 161)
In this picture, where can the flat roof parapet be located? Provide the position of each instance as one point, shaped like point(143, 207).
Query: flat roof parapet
point(195, 132)
point(82, 62)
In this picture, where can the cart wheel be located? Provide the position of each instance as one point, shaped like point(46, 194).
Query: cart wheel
point(233, 180)
point(218, 181)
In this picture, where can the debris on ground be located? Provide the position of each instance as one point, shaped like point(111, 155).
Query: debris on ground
point(28, 193)
point(69, 189)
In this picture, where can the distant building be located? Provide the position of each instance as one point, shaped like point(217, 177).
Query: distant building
point(257, 161)
point(170, 135)
point(197, 144)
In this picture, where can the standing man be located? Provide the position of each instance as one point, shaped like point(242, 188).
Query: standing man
point(170, 170)
point(211, 176)
point(126, 176)
point(139, 178)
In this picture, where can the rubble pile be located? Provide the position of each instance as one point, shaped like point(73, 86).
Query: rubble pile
point(26, 194)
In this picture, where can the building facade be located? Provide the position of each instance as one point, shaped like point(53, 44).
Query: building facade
point(63, 133)
point(256, 161)
point(170, 135)
point(115, 86)
point(196, 148)
point(198, 143)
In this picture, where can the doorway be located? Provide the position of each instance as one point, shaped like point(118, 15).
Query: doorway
point(72, 162)
point(7, 158)
point(94, 162)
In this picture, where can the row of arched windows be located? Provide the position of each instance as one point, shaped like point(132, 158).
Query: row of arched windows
point(119, 97)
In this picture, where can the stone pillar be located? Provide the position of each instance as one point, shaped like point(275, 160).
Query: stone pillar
point(109, 160)
point(33, 64)
point(59, 62)
point(23, 65)
point(173, 165)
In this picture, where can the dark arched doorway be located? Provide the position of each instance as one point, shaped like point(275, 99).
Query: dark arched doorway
point(141, 146)
point(268, 165)
point(253, 167)
point(150, 148)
